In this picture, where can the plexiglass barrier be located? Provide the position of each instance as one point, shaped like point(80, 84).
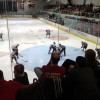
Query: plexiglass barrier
point(86, 25)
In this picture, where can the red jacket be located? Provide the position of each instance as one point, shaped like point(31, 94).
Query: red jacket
point(8, 89)
point(53, 71)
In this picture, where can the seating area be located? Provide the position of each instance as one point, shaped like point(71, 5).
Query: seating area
point(80, 81)
point(83, 24)
point(85, 18)
point(88, 10)
point(71, 79)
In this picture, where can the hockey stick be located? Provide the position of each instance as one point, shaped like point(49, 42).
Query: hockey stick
point(20, 55)
point(25, 60)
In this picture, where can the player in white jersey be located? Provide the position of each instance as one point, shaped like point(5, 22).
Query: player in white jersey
point(13, 57)
point(15, 49)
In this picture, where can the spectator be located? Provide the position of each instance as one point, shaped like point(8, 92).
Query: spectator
point(69, 65)
point(20, 75)
point(8, 89)
point(90, 56)
point(1, 75)
point(31, 92)
point(51, 70)
point(84, 81)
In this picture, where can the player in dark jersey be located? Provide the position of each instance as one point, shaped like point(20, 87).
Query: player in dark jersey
point(47, 33)
point(62, 48)
point(98, 52)
point(84, 46)
point(15, 49)
point(1, 36)
point(52, 48)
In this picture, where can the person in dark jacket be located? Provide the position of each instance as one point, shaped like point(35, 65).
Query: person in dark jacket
point(92, 62)
point(20, 75)
point(84, 81)
point(70, 65)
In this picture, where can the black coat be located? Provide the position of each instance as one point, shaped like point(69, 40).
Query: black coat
point(22, 79)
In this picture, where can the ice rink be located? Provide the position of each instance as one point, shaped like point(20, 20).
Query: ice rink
point(33, 45)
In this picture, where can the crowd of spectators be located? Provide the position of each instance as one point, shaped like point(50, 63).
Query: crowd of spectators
point(73, 80)
point(84, 18)
point(81, 10)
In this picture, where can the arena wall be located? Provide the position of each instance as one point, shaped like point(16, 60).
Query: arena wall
point(77, 33)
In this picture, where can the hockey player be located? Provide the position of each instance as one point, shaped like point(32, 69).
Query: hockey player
point(98, 52)
point(1, 36)
point(84, 46)
point(62, 48)
point(15, 49)
point(14, 57)
point(48, 33)
point(52, 47)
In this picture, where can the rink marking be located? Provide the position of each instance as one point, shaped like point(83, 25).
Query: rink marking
point(3, 54)
point(28, 43)
point(43, 41)
point(60, 37)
